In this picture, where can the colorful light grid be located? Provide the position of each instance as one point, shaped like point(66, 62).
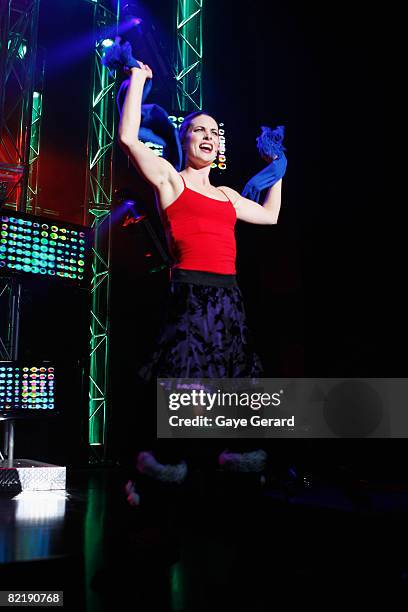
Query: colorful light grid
point(43, 247)
point(26, 388)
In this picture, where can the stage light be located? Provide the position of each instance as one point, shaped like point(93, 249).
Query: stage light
point(107, 42)
point(38, 508)
point(30, 393)
point(22, 50)
point(24, 249)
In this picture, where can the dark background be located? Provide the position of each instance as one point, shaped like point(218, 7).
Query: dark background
point(317, 286)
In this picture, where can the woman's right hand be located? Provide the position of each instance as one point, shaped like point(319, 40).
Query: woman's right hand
point(146, 70)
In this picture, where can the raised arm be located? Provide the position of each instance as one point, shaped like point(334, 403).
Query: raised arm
point(252, 212)
point(156, 170)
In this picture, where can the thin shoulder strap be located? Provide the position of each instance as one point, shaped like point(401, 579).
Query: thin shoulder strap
point(184, 182)
point(222, 191)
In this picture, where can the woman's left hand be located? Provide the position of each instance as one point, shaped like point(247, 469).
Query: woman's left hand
point(264, 179)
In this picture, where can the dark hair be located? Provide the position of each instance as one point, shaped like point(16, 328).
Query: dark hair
point(187, 122)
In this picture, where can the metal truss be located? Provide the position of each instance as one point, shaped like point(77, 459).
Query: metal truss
point(35, 131)
point(97, 214)
point(18, 51)
point(189, 55)
point(18, 56)
point(10, 295)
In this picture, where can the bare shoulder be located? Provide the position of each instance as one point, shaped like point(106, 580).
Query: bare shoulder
point(230, 193)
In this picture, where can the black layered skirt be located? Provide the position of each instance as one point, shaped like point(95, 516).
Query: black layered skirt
point(205, 334)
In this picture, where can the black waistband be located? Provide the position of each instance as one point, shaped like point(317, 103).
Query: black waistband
point(197, 277)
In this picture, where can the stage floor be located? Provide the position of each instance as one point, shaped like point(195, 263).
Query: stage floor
point(221, 544)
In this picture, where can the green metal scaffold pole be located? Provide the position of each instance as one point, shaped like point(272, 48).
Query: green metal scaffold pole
point(189, 55)
point(97, 214)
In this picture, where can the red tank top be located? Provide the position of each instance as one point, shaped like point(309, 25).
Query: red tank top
point(202, 232)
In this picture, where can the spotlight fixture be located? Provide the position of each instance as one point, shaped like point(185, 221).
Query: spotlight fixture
point(107, 42)
point(21, 49)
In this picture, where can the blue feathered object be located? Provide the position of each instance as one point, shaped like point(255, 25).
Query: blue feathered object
point(119, 56)
point(270, 141)
point(271, 149)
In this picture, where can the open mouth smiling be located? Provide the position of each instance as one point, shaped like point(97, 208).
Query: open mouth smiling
point(208, 148)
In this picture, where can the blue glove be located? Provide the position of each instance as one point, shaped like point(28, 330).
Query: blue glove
point(270, 141)
point(270, 148)
point(119, 56)
point(267, 177)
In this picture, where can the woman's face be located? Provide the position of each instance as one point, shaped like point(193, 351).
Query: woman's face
point(202, 140)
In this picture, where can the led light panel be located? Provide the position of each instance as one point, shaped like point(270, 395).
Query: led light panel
point(44, 247)
point(26, 388)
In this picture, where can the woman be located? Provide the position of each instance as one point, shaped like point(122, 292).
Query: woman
point(211, 338)
point(206, 334)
